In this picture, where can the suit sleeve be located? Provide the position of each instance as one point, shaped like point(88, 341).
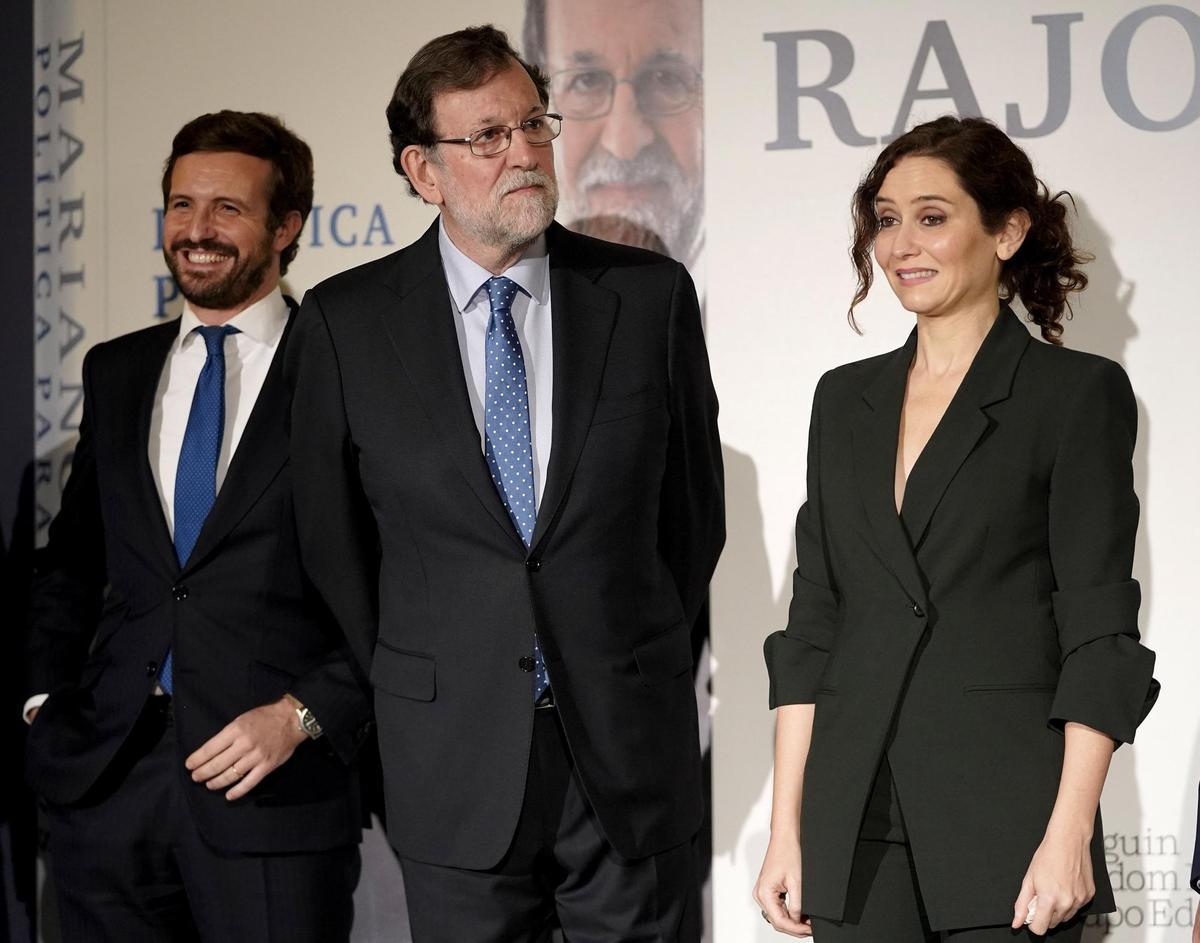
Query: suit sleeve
point(1106, 680)
point(692, 504)
point(69, 572)
point(796, 657)
point(339, 545)
point(338, 693)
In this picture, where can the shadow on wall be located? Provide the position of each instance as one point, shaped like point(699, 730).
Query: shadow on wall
point(1102, 324)
point(746, 608)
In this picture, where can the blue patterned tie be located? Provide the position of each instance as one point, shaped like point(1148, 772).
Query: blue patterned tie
point(196, 477)
point(507, 436)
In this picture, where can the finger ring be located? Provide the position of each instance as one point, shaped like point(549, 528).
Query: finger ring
point(233, 766)
point(765, 917)
point(1030, 911)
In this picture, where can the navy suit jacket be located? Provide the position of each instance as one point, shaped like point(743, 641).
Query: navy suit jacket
point(241, 618)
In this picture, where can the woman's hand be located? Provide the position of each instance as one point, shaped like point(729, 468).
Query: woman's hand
point(1059, 880)
point(777, 890)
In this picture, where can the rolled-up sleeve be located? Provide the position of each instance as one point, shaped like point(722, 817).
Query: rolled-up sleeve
point(1106, 680)
point(796, 656)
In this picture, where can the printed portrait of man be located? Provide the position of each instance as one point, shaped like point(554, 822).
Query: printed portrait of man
point(626, 75)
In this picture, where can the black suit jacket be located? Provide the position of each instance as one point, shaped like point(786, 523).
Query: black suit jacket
point(405, 536)
point(244, 625)
point(961, 634)
point(1195, 880)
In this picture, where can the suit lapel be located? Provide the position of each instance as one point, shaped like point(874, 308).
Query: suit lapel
point(143, 388)
point(421, 330)
point(988, 381)
point(583, 315)
point(261, 452)
point(875, 430)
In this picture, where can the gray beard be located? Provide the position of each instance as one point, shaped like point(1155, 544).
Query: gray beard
point(676, 219)
point(493, 226)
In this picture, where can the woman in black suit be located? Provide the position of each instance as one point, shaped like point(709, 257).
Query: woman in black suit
point(962, 655)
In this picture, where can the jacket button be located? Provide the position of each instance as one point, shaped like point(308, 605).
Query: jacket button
point(533, 564)
point(526, 663)
point(918, 611)
point(151, 669)
point(179, 592)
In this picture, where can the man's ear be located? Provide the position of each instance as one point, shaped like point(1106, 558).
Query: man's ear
point(419, 168)
point(286, 231)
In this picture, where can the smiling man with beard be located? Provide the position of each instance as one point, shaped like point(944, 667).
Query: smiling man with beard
point(181, 668)
point(627, 77)
point(509, 491)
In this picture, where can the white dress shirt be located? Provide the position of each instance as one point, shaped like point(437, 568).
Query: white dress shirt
point(531, 314)
point(248, 357)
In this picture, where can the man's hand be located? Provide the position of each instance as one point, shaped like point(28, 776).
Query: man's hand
point(247, 749)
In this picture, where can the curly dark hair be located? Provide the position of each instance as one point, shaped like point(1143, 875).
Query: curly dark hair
point(461, 60)
point(999, 177)
point(259, 135)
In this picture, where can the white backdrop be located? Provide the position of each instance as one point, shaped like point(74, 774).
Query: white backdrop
point(1110, 90)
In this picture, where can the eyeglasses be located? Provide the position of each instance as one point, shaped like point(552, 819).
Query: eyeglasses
point(488, 142)
point(666, 89)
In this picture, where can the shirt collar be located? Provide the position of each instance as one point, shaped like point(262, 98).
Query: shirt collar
point(465, 277)
point(262, 322)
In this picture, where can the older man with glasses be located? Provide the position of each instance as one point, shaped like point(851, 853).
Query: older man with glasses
point(626, 74)
point(508, 481)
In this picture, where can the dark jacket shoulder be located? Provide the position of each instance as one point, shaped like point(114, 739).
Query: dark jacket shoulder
point(572, 249)
point(135, 343)
point(1067, 367)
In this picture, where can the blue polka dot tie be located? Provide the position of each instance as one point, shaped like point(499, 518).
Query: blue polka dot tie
point(507, 437)
point(196, 477)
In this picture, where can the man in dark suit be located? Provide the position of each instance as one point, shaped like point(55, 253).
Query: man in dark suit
point(195, 713)
point(508, 486)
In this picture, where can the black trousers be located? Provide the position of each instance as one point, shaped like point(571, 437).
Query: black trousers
point(558, 872)
point(130, 866)
point(883, 900)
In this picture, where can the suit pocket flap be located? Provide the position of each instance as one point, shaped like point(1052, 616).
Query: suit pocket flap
point(665, 656)
point(1011, 687)
point(622, 407)
point(405, 674)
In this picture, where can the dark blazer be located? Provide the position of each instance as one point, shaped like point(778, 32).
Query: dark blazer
point(1195, 881)
point(244, 625)
point(961, 634)
point(405, 536)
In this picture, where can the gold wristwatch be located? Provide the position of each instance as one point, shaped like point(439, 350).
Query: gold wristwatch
point(308, 720)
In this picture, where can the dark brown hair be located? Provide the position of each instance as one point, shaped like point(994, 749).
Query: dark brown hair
point(462, 60)
point(998, 176)
point(259, 135)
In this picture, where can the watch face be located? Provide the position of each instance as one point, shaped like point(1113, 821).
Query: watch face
point(308, 722)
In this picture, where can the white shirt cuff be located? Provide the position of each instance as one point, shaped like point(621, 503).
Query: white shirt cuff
point(36, 701)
